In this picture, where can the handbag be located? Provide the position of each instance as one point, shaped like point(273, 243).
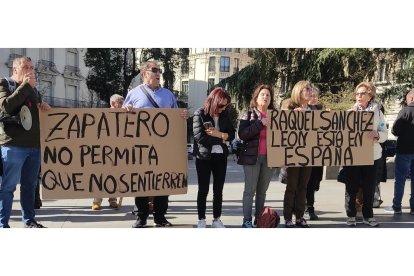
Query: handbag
point(389, 148)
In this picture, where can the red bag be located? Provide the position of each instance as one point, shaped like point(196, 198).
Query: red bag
point(268, 218)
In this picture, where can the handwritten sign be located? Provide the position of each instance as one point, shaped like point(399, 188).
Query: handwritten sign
point(104, 152)
point(319, 138)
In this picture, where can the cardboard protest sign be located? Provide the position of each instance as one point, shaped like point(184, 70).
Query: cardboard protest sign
point(319, 138)
point(106, 152)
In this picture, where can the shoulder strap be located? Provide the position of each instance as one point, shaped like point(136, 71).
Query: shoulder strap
point(154, 103)
point(11, 83)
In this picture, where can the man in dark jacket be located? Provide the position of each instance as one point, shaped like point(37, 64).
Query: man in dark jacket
point(20, 141)
point(403, 128)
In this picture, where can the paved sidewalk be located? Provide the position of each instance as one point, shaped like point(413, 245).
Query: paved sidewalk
point(77, 213)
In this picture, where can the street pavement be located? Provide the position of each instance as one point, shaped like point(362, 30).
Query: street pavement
point(182, 212)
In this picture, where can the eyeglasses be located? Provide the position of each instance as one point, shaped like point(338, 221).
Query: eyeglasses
point(360, 94)
point(155, 70)
point(222, 105)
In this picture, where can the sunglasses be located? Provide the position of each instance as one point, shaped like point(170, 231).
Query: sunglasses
point(222, 105)
point(155, 70)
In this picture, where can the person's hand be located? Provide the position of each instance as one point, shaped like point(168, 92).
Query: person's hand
point(43, 106)
point(184, 114)
point(373, 135)
point(30, 78)
point(129, 107)
point(209, 131)
point(213, 132)
point(299, 109)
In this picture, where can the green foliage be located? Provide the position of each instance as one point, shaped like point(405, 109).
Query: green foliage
point(233, 115)
point(338, 101)
point(333, 70)
point(105, 76)
point(113, 69)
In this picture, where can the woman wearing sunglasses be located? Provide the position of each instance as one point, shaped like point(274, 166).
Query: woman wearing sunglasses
point(212, 128)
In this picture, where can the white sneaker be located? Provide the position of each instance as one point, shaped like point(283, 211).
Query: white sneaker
point(351, 221)
point(202, 223)
point(217, 223)
point(371, 222)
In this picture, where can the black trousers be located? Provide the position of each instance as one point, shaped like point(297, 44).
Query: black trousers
point(160, 207)
point(313, 186)
point(217, 166)
point(366, 177)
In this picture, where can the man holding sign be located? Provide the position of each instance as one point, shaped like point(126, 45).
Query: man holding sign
point(151, 95)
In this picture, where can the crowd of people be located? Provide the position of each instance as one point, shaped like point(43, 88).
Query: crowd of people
point(213, 130)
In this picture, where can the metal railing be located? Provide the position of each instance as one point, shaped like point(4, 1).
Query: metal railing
point(61, 102)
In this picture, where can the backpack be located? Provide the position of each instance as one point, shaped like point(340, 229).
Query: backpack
point(268, 218)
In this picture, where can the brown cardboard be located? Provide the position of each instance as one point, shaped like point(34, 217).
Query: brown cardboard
point(106, 152)
point(319, 138)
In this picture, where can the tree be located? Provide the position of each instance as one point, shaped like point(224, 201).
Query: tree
point(334, 70)
point(113, 69)
point(404, 77)
point(105, 77)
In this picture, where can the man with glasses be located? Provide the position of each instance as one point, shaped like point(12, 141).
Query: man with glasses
point(151, 95)
point(20, 142)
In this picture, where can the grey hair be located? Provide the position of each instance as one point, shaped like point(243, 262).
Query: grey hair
point(146, 65)
point(116, 98)
point(19, 60)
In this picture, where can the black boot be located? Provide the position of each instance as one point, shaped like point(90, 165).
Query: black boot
point(311, 212)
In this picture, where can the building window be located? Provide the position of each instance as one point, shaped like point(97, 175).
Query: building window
point(212, 64)
point(211, 83)
point(46, 54)
point(71, 92)
point(225, 49)
point(236, 65)
point(237, 50)
point(212, 49)
point(72, 58)
point(18, 51)
point(184, 86)
point(224, 64)
point(45, 88)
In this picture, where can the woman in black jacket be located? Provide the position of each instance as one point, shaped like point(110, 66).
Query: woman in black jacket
point(253, 156)
point(212, 128)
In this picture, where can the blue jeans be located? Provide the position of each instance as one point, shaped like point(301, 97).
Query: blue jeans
point(22, 165)
point(403, 163)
